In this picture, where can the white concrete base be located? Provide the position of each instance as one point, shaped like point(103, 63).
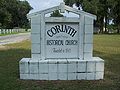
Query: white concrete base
point(65, 69)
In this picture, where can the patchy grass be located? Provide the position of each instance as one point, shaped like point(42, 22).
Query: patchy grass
point(105, 46)
point(108, 48)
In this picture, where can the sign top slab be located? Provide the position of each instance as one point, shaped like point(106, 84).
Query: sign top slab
point(62, 7)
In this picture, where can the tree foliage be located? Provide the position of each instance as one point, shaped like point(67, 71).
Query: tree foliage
point(116, 14)
point(13, 13)
point(56, 14)
point(105, 10)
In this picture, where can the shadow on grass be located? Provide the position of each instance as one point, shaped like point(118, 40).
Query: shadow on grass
point(9, 67)
point(112, 67)
point(112, 61)
point(9, 76)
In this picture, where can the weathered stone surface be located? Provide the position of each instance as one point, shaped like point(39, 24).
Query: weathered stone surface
point(62, 47)
point(62, 70)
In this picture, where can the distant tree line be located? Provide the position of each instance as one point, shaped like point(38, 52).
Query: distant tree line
point(106, 11)
point(13, 13)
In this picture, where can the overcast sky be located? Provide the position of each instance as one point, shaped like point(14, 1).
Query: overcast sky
point(43, 4)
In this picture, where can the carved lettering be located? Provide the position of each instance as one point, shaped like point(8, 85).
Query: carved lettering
point(54, 42)
point(61, 28)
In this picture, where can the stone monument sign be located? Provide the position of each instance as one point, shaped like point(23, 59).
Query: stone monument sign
point(62, 47)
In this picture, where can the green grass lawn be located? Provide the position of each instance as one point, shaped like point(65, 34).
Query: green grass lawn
point(105, 46)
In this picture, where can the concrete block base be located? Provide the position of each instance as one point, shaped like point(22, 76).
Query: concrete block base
point(64, 69)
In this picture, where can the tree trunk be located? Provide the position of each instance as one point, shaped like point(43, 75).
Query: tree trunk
point(101, 24)
point(106, 25)
point(118, 29)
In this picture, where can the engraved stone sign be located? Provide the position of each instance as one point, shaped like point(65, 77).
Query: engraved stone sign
point(62, 47)
point(62, 40)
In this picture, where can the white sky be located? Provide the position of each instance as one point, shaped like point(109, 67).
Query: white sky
point(39, 5)
point(43, 4)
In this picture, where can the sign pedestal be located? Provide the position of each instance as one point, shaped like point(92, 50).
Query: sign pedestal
point(66, 69)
